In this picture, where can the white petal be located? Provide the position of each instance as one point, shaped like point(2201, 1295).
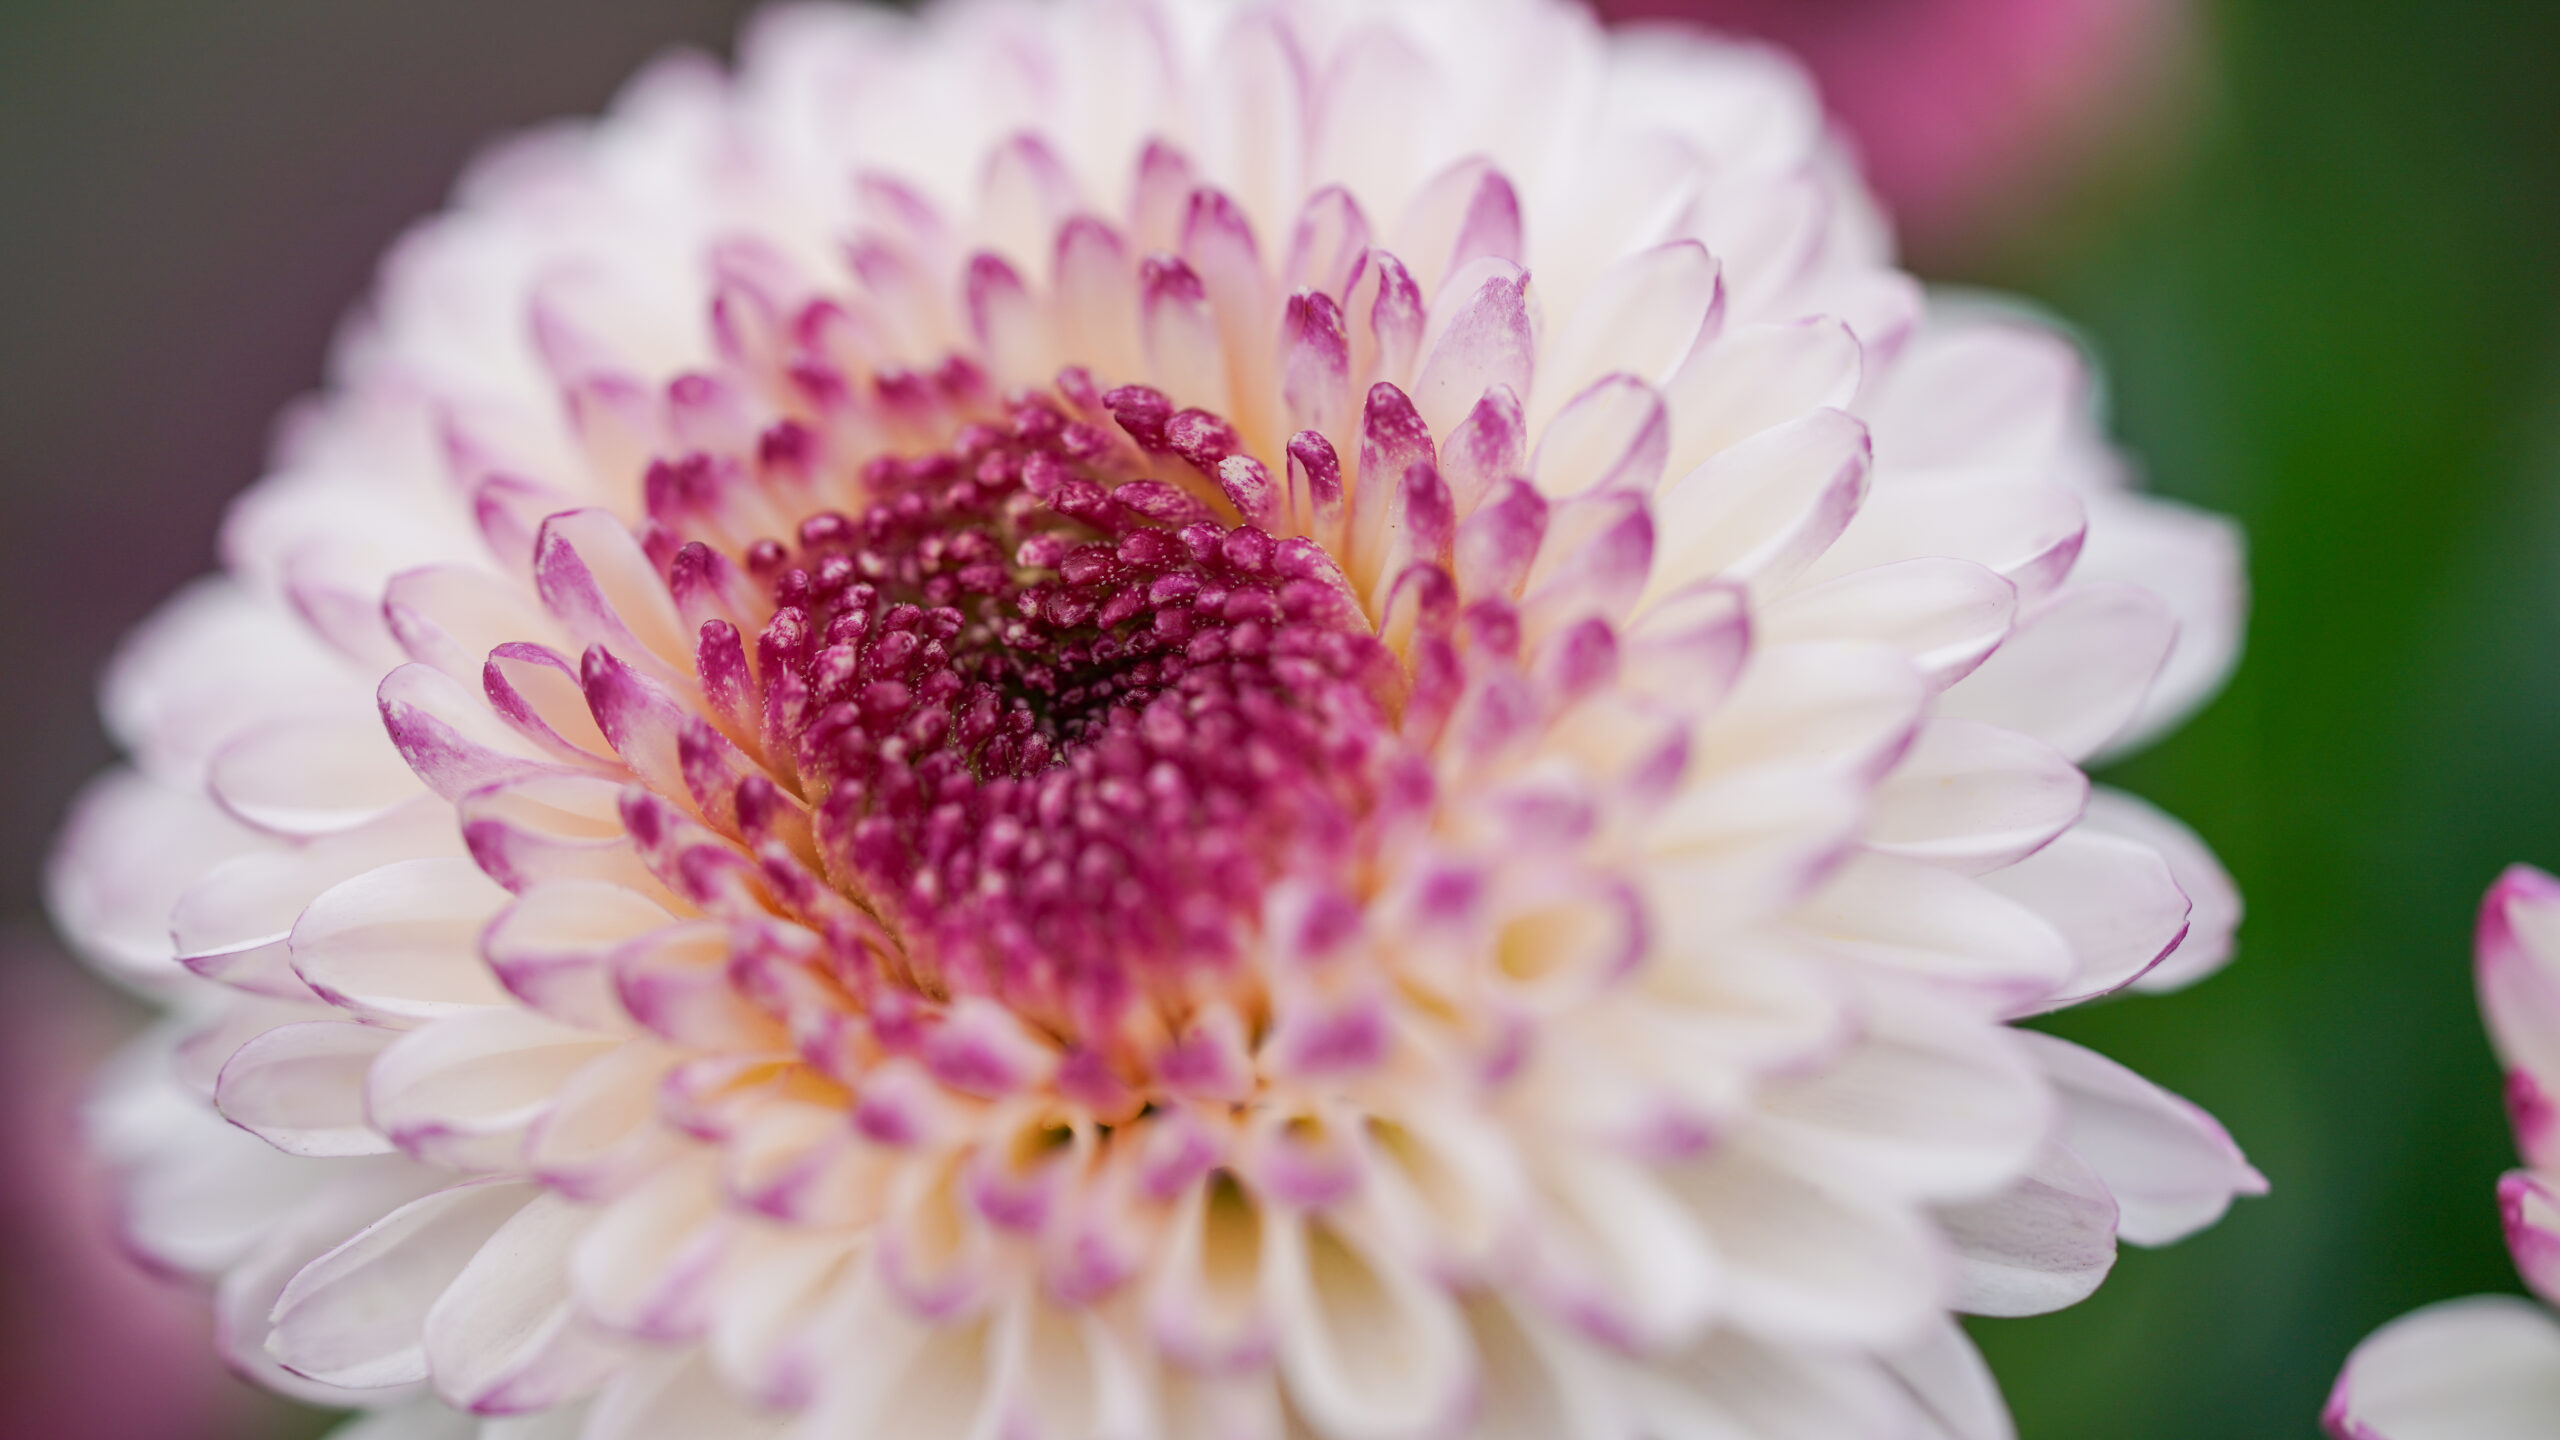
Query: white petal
point(1755, 377)
point(1732, 1387)
point(1844, 706)
point(646, 1265)
point(1954, 1391)
point(239, 914)
point(342, 1198)
point(355, 1316)
point(1204, 1301)
point(2075, 670)
point(199, 1192)
point(2518, 969)
point(1932, 924)
point(2213, 916)
point(893, 1375)
point(1535, 1386)
point(1610, 437)
point(553, 947)
point(1975, 798)
point(212, 660)
point(768, 1309)
point(2486, 1368)
point(2195, 562)
point(1762, 510)
point(1929, 1102)
point(1622, 1250)
point(2028, 532)
point(1488, 337)
point(401, 942)
point(1370, 1347)
point(602, 1133)
point(676, 1398)
point(452, 616)
point(463, 1090)
point(503, 1338)
point(2531, 1210)
point(1065, 1375)
point(132, 847)
point(428, 1421)
point(1641, 319)
point(603, 589)
point(1946, 614)
point(1720, 856)
point(1808, 1263)
point(2113, 899)
point(2172, 1170)
point(300, 1088)
point(310, 775)
point(2044, 1244)
point(1979, 391)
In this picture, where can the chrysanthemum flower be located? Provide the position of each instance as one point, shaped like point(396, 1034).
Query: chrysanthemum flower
point(1130, 720)
point(2488, 1368)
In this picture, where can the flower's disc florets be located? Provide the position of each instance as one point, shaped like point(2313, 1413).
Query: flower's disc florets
point(1060, 723)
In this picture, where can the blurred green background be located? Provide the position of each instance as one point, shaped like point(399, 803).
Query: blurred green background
point(2339, 320)
point(2328, 296)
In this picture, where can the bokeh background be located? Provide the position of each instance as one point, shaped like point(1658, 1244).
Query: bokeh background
point(2316, 241)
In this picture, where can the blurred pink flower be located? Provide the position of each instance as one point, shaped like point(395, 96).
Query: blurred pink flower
point(1962, 110)
point(78, 1319)
point(2488, 1367)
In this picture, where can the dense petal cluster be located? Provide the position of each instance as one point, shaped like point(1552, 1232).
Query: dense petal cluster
point(2488, 1368)
point(1142, 720)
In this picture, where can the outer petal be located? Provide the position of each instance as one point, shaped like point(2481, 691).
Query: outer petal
point(1952, 1389)
point(355, 1316)
point(2196, 562)
point(2045, 1244)
point(132, 847)
point(2172, 1170)
point(2519, 975)
point(2486, 1368)
point(2076, 670)
point(2213, 914)
point(503, 1338)
point(2531, 1209)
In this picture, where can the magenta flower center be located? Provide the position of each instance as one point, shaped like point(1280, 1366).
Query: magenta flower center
point(1060, 724)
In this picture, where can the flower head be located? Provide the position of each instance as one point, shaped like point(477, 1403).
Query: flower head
point(2488, 1368)
point(1135, 720)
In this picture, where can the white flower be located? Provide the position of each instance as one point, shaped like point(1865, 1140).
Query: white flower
point(2488, 1368)
point(1130, 720)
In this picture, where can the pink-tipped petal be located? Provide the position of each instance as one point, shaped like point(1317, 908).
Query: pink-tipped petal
point(2487, 1368)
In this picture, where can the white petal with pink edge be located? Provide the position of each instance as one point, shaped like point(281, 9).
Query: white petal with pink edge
point(2486, 1368)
